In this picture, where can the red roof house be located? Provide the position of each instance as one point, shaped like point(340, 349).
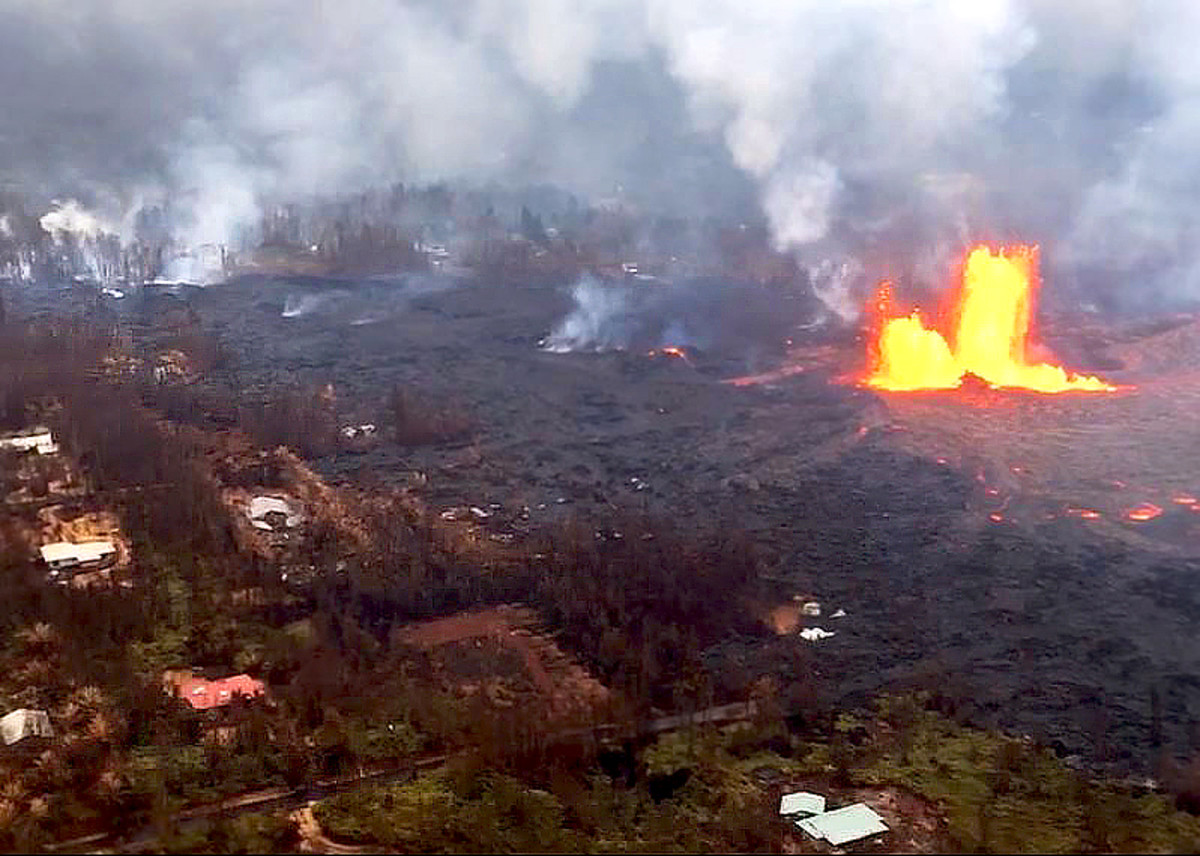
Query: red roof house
point(202, 694)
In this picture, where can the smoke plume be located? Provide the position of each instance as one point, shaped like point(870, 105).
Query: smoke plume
point(603, 318)
point(872, 135)
point(711, 314)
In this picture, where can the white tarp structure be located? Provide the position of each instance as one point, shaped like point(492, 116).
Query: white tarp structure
point(815, 634)
point(843, 825)
point(62, 554)
point(38, 440)
point(261, 506)
point(16, 726)
point(801, 802)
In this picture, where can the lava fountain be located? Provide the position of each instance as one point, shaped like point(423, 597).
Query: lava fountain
point(990, 316)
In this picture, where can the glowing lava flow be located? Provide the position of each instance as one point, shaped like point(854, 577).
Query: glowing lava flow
point(992, 315)
point(670, 351)
point(1142, 513)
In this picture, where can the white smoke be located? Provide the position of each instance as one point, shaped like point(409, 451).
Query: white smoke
point(808, 94)
point(834, 111)
point(799, 203)
point(599, 321)
point(71, 219)
point(711, 314)
point(305, 304)
point(837, 285)
point(1141, 221)
point(203, 265)
point(76, 229)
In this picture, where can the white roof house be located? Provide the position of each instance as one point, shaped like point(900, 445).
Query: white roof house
point(16, 726)
point(63, 554)
point(38, 440)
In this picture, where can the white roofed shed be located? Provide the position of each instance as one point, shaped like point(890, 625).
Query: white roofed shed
point(801, 802)
point(63, 554)
point(38, 440)
point(16, 726)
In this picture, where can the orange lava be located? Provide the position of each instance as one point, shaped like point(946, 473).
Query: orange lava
point(991, 315)
point(670, 351)
point(1142, 513)
point(1085, 513)
point(1184, 500)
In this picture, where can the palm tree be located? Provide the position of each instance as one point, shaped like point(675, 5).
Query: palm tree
point(39, 637)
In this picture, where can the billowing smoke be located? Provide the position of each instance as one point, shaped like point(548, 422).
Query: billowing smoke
point(70, 219)
point(871, 134)
point(77, 231)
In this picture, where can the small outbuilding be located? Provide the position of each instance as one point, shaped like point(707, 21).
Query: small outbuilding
point(24, 723)
point(38, 440)
point(801, 803)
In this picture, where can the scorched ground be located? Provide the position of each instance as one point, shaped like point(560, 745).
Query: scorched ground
point(984, 543)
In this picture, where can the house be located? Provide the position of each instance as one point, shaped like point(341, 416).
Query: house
point(204, 694)
point(38, 440)
point(88, 556)
point(23, 723)
point(844, 825)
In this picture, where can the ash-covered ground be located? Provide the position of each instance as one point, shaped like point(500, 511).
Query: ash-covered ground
point(980, 542)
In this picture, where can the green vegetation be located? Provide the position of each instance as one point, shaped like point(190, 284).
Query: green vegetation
point(251, 833)
point(1000, 794)
point(490, 812)
point(497, 813)
point(468, 809)
point(996, 794)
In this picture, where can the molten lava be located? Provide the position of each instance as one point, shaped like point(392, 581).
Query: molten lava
point(1142, 513)
point(670, 351)
point(991, 314)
